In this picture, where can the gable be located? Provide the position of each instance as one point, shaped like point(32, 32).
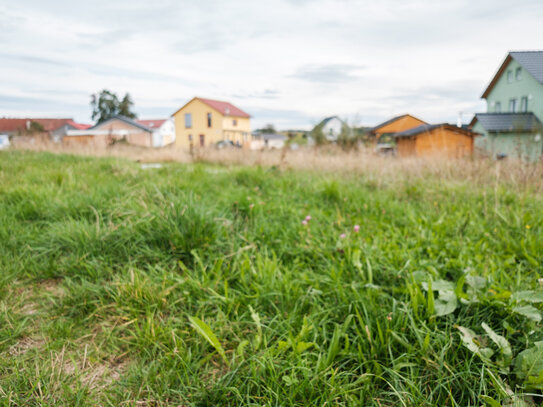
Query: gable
point(530, 61)
point(398, 124)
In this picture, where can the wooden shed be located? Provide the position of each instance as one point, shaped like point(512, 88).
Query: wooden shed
point(437, 139)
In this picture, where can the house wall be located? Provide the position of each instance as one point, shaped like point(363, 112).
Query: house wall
point(402, 124)
point(239, 133)
point(165, 134)
point(332, 129)
point(524, 146)
point(528, 86)
point(405, 147)
point(199, 111)
point(75, 141)
point(443, 141)
point(134, 135)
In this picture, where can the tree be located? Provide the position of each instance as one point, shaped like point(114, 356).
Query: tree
point(106, 104)
point(269, 129)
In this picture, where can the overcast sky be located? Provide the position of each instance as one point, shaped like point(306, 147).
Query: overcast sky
point(289, 62)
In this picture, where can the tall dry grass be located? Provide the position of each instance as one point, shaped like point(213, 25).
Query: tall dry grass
point(476, 170)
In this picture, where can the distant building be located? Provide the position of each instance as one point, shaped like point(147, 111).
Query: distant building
point(397, 124)
point(204, 122)
point(331, 127)
point(110, 131)
point(163, 131)
point(31, 130)
point(512, 126)
point(435, 140)
point(261, 141)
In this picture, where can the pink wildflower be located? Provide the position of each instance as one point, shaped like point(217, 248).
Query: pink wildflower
point(356, 228)
point(304, 222)
point(342, 236)
point(308, 218)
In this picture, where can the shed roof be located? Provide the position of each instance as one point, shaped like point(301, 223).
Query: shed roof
point(424, 128)
point(507, 122)
point(532, 61)
point(383, 124)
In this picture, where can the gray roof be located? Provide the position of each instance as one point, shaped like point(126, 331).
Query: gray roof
point(428, 127)
point(126, 120)
point(532, 61)
point(416, 130)
point(327, 119)
point(508, 122)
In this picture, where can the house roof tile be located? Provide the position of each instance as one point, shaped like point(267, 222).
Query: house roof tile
point(507, 122)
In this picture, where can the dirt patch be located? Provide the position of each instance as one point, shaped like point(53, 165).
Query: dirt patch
point(51, 286)
point(25, 344)
point(94, 375)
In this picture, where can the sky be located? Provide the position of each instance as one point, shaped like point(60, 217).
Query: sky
point(286, 62)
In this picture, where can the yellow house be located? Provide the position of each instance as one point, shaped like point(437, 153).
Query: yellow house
point(204, 122)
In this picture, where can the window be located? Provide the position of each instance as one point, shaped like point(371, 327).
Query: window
point(190, 137)
point(202, 140)
point(234, 122)
point(509, 76)
point(498, 107)
point(512, 105)
point(188, 120)
point(518, 73)
point(524, 104)
point(209, 120)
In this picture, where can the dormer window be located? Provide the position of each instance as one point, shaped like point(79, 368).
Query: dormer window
point(509, 76)
point(518, 73)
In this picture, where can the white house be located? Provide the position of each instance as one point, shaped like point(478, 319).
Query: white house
point(331, 127)
point(163, 131)
point(261, 141)
point(4, 141)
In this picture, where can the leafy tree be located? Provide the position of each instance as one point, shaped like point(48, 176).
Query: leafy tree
point(269, 129)
point(318, 134)
point(125, 107)
point(106, 104)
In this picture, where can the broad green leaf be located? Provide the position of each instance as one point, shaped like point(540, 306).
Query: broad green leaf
point(440, 285)
point(205, 331)
point(503, 345)
point(529, 365)
point(529, 312)
point(528, 296)
point(446, 303)
point(469, 339)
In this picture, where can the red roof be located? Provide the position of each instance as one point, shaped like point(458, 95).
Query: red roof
point(79, 126)
point(227, 109)
point(152, 124)
point(13, 125)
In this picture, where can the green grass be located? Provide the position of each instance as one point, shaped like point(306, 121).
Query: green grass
point(199, 285)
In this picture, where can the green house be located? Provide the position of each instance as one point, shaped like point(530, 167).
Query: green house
point(512, 126)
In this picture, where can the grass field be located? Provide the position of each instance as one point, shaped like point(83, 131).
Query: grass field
point(209, 285)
